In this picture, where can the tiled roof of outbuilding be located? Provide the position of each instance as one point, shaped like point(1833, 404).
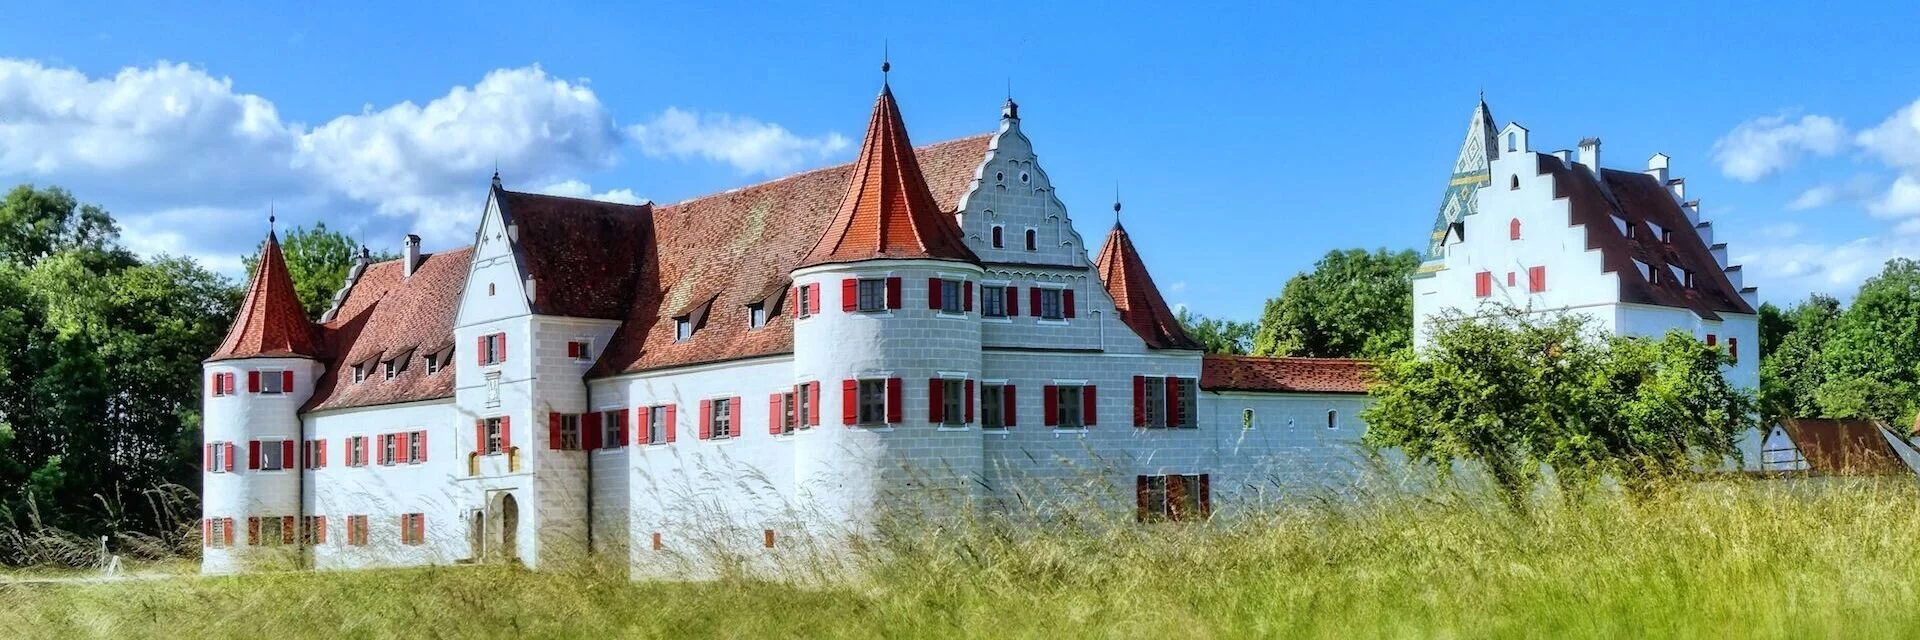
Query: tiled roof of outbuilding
point(1284, 374)
point(1135, 296)
point(270, 323)
point(387, 315)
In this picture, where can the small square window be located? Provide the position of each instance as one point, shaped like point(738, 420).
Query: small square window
point(270, 382)
point(872, 295)
point(682, 329)
point(756, 316)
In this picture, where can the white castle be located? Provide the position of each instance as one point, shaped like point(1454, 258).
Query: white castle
point(740, 371)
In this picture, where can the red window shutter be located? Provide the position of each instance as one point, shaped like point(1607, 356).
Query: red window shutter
point(969, 419)
point(775, 412)
point(706, 419)
point(206, 460)
point(936, 400)
point(850, 401)
point(1089, 410)
point(622, 416)
point(1013, 301)
point(286, 455)
point(253, 382)
point(502, 339)
point(1050, 400)
point(1513, 229)
point(642, 425)
point(1206, 496)
point(1483, 284)
point(1033, 302)
point(1140, 497)
point(253, 530)
point(1176, 497)
point(813, 298)
point(286, 382)
point(573, 349)
point(590, 429)
point(419, 528)
point(895, 404)
point(933, 293)
point(506, 432)
point(230, 452)
point(322, 455)
point(1733, 349)
point(479, 437)
point(253, 454)
point(213, 386)
point(673, 424)
point(553, 430)
point(849, 295)
point(1536, 279)
point(1510, 281)
point(480, 349)
point(1712, 340)
point(793, 298)
point(365, 444)
point(737, 416)
point(1139, 401)
point(1066, 302)
point(1006, 397)
point(1173, 402)
point(813, 403)
point(226, 531)
point(966, 296)
point(319, 529)
point(286, 529)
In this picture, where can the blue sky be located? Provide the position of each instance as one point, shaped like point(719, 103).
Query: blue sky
point(1246, 141)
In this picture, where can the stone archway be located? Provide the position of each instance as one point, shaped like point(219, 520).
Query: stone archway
point(502, 528)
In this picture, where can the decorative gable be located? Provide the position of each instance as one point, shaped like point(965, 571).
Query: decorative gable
point(1011, 201)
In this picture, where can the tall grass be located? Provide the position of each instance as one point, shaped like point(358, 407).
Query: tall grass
point(1722, 559)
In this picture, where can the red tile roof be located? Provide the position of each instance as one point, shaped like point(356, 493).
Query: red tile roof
point(583, 255)
point(1844, 447)
point(1134, 295)
point(271, 323)
point(887, 211)
point(1300, 375)
point(1640, 199)
point(736, 248)
point(386, 315)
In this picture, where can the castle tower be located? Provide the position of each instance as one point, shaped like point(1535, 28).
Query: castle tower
point(891, 333)
point(255, 384)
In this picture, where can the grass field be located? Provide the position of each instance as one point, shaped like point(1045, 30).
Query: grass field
point(1717, 560)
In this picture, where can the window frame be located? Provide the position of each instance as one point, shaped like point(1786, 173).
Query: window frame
point(1333, 419)
point(570, 432)
point(1159, 507)
point(495, 436)
point(1155, 402)
point(360, 373)
point(271, 382)
point(494, 343)
point(272, 455)
point(1033, 239)
point(1053, 305)
point(993, 405)
point(356, 451)
point(216, 532)
point(870, 289)
point(953, 402)
point(656, 424)
point(756, 316)
point(720, 420)
point(803, 298)
point(218, 461)
point(877, 403)
point(998, 237)
point(389, 449)
point(1063, 408)
point(952, 296)
point(682, 329)
point(802, 405)
point(270, 531)
point(611, 428)
point(993, 301)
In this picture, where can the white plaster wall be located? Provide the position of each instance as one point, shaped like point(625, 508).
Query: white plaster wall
point(382, 493)
point(1288, 455)
point(240, 418)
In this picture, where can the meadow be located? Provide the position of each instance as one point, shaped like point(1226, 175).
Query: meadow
point(1718, 559)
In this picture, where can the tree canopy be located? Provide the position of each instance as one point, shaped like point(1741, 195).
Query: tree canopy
point(1353, 304)
point(1217, 335)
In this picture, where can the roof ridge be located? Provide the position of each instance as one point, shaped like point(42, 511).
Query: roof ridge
point(805, 173)
point(641, 205)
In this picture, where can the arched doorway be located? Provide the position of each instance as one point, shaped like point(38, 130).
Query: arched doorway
point(509, 527)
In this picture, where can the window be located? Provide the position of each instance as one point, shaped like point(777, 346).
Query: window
point(1687, 275)
point(872, 295)
point(389, 448)
point(1189, 413)
point(1155, 401)
point(1069, 408)
point(1033, 240)
point(951, 296)
point(270, 531)
point(493, 349)
point(1513, 228)
point(359, 373)
point(803, 305)
point(803, 404)
point(657, 424)
point(273, 382)
point(434, 363)
point(392, 369)
point(417, 447)
point(1483, 284)
point(219, 531)
point(1333, 419)
point(1733, 349)
point(357, 451)
point(313, 530)
point(993, 301)
point(682, 329)
point(1536, 279)
point(873, 402)
point(357, 531)
point(494, 435)
point(787, 418)
point(413, 528)
point(997, 244)
point(1633, 231)
point(273, 455)
point(1246, 418)
point(217, 461)
point(1513, 141)
point(1050, 307)
point(953, 403)
point(314, 453)
point(1666, 236)
point(613, 424)
point(1167, 402)
point(756, 316)
point(1174, 498)
point(570, 433)
point(721, 418)
point(1513, 184)
point(992, 406)
point(580, 349)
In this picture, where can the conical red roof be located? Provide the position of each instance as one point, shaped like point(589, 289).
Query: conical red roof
point(271, 323)
point(1135, 296)
point(888, 212)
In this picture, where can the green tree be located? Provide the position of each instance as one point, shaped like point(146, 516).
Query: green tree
point(36, 223)
point(1354, 303)
point(1216, 335)
point(318, 259)
point(1871, 360)
point(1792, 365)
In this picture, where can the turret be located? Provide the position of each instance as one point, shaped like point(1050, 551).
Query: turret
point(891, 334)
point(255, 384)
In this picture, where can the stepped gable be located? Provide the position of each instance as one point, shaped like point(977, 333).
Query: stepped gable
point(270, 323)
point(1284, 374)
point(1638, 199)
point(387, 315)
point(887, 211)
point(582, 255)
point(1135, 296)
point(721, 252)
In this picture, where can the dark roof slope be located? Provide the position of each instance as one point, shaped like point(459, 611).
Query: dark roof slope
point(728, 250)
point(1844, 447)
point(1135, 296)
point(386, 315)
point(1284, 374)
point(887, 210)
point(1639, 199)
point(583, 255)
point(271, 323)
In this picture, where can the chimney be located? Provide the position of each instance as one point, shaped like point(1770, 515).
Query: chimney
point(1590, 154)
point(1565, 156)
point(1657, 167)
point(411, 253)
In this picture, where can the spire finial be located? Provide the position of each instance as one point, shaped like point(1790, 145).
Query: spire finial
point(270, 217)
point(886, 61)
point(1116, 202)
point(496, 170)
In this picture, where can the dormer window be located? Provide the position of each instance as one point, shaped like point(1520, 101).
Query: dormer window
point(1666, 236)
point(392, 368)
point(1633, 231)
point(1688, 275)
point(756, 316)
point(359, 373)
point(682, 329)
point(433, 364)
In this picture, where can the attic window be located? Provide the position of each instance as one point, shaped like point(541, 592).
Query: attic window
point(682, 329)
point(1513, 182)
point(1033, 240)
point(359, 373)
point(1688, 274)
point(1666, 236)
point(1513, 141)
point(756, 315)
point(392, 368)
point(999, 176)
point(997, 243)
point(1633, 230)
point(433, 364)
point(1023, 177)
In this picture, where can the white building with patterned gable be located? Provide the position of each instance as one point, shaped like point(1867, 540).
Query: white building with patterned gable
point(743, 371)
point(1557, 232)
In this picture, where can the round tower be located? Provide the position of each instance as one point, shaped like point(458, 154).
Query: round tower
point(255, 384)
point(890, 330)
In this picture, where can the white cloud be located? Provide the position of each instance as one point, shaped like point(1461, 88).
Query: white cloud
point(1895, 141)
point(1900, 200)
point(1787, 272)
point(1827, 193)
point(1762, 147)
point(578, 189)
point(1781, 231)
point(749, 145)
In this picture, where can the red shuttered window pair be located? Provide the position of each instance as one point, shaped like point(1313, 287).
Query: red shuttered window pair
point(806, 300)
point(1069, 406)
point(491, 349)
point(222, 384)
point(493, 436)
point(721, 418)
point(872, 402)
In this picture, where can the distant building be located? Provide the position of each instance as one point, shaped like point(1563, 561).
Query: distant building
point(1557, 232)
point(727, 372)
